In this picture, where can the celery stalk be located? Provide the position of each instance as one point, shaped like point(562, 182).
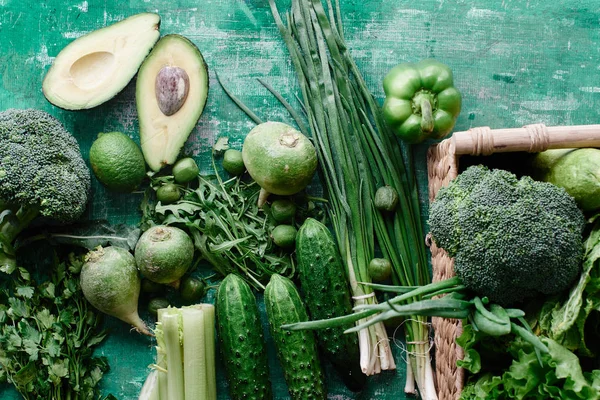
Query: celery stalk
point(171, 327)
point(161, 357)
point(194, 360)
point(209, 340)
point(150, 388)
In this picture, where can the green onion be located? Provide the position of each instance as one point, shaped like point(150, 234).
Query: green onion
point(358, 154)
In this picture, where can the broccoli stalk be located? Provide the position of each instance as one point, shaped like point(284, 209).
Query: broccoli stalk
point(42, 174)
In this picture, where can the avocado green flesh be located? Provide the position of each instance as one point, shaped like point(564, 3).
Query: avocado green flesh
point(162, 136)
point(96, 67)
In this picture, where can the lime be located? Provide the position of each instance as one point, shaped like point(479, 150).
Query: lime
point(117, 162)
point(185, 170)
point(233, 162)
point(283, 210)
point(284, 236)
point(380, 269)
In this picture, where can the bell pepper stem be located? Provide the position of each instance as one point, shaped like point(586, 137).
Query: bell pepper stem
point(427, 115)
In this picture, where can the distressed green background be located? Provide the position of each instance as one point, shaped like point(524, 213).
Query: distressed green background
point(516, 62)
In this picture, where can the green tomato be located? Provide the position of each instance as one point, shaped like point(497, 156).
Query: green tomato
point(185, 170)
point(283, 210)
point(233, 162)
point(284, 236)
point(192, 290)
point(157, 303)
point(151, 288)
point(380, 269)
point(168, 193)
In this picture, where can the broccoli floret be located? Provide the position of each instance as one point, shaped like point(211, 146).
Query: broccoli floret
point(510, 238)
point(42, 173)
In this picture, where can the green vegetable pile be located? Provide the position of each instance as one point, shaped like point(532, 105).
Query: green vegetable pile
point(228, 228)
point(48, 333)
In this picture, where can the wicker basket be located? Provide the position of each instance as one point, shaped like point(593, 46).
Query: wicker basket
point(442, 167)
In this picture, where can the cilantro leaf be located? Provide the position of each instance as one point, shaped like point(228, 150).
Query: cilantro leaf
point(24, 291)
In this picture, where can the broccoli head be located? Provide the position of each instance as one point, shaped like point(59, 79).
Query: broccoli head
point(510, 238)
point(41, 172)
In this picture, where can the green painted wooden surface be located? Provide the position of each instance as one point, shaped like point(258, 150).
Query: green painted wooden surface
point(516, 62)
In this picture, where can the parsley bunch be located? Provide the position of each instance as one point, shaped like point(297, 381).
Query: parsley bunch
point(48, 333)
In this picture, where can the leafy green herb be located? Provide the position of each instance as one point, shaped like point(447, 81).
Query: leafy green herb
point(48, 333)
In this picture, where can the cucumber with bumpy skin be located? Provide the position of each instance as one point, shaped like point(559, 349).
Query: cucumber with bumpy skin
point(327, 295)
point(296, 350)
point(241, 340)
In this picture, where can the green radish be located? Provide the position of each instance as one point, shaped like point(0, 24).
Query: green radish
point(297, 350)
point(241, 340)
point(327, 295)
point(163, 254)
point(110, 282)
point(279, 158)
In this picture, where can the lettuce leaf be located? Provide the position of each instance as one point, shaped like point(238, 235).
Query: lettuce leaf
point(559, 376)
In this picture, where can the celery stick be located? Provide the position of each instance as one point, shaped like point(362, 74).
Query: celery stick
point(171, 326)
point(194, 361)
point(209, 340)
point(161, 357)
point(150, 388)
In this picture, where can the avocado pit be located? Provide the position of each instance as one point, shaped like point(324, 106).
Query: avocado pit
point(172, 87)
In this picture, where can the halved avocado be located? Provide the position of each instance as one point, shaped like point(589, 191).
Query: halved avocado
point(96, 67)
point(171, 92)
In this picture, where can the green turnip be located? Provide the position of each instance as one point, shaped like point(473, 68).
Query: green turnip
point(163, 254)
point(111, 283)
point(279, 158)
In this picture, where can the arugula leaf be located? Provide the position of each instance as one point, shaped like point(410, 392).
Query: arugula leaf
point(221, 145)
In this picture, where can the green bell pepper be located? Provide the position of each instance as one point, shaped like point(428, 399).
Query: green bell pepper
point(421, 101)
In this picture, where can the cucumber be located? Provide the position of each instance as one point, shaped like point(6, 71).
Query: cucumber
point(327, 295)
point(241, 340)
point(297, 350)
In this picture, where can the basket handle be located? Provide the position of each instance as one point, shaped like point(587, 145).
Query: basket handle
point(532, 138)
